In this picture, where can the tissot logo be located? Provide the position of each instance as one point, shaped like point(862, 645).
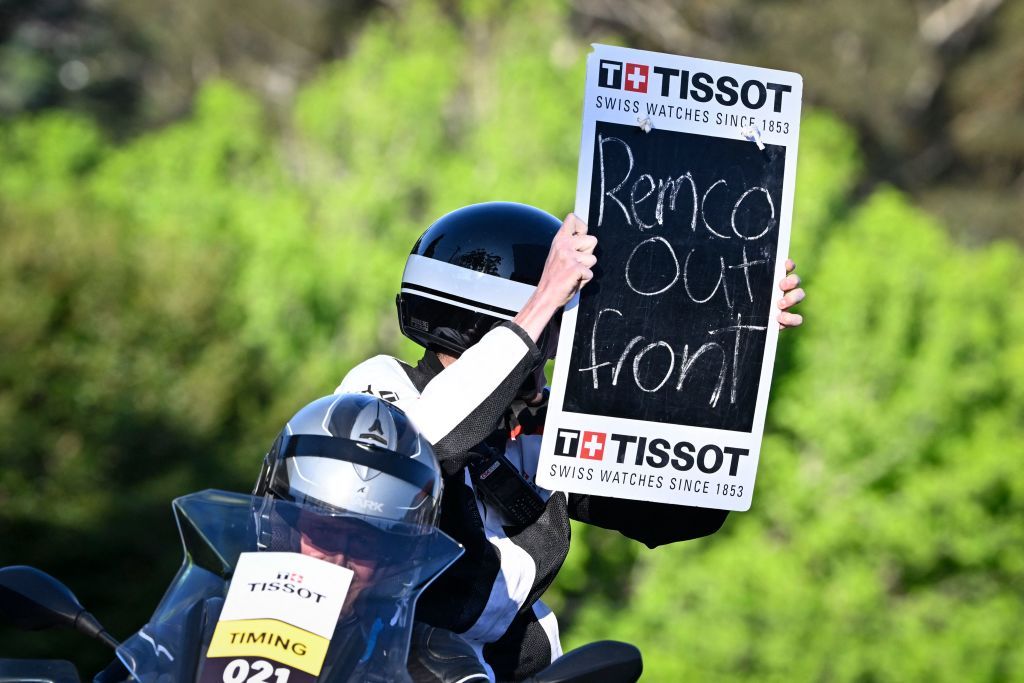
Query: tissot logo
point(612, 73)
point(684, 85)
point(641, 451)
point(568, 444)
point(567, 441)
point(288, 587)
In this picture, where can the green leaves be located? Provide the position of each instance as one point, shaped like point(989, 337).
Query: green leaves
point(170, 300)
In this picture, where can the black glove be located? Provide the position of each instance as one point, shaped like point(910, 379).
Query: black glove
point(527, 418)
point(440, 656)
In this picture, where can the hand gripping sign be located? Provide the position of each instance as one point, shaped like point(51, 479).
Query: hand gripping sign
point(278, 619)
point(686, 177)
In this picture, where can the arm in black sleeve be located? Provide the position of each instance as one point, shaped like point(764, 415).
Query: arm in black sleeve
point(459, 406)
point(652, 524)
point(481, 419)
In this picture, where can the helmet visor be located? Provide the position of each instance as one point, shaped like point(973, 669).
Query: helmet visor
point(358, 542)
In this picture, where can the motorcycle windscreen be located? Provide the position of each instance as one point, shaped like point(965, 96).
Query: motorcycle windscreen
point(386, 566)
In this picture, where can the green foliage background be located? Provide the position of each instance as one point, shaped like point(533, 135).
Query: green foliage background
point(169, 299)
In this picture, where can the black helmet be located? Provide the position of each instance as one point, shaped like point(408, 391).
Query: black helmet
point(472, 269)
point(356, 456)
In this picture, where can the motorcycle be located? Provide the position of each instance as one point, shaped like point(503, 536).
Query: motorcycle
point(247, 607)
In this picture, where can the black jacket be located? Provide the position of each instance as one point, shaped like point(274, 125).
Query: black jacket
point(491, 594)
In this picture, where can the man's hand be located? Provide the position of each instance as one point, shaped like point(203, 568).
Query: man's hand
point(792, 294)
point(567, 269)
point(569, 262)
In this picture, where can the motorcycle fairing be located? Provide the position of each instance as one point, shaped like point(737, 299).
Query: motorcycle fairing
point(371, 639)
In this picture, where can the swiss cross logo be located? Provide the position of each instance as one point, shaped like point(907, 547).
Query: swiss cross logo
point(593, 446)
point(567, 442)
point(636, 77)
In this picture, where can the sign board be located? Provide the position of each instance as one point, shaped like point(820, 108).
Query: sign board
point(686, 177)
point(278, 619)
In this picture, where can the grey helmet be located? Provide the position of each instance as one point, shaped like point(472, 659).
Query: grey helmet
point(357, 456)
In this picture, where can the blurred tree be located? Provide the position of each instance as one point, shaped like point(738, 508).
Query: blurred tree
point(268, 47)
point(929, 85)
point(170, 298)
point(133, 65)
point(121, 382)
point(932, 86)
point(67, 53)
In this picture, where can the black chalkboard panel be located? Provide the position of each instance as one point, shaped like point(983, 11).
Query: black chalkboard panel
point(672, 328)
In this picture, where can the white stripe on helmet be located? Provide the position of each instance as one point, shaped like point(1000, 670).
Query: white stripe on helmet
point(488, 290)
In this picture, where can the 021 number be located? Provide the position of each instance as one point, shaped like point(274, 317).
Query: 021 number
point(240, 671)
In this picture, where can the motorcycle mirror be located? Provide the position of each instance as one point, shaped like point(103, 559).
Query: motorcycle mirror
point(31, 599)
point(608, 661)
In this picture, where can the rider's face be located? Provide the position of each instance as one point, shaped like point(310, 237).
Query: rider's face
point(353, 549)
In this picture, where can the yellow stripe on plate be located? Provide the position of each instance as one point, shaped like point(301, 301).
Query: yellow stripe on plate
point(270, 639)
